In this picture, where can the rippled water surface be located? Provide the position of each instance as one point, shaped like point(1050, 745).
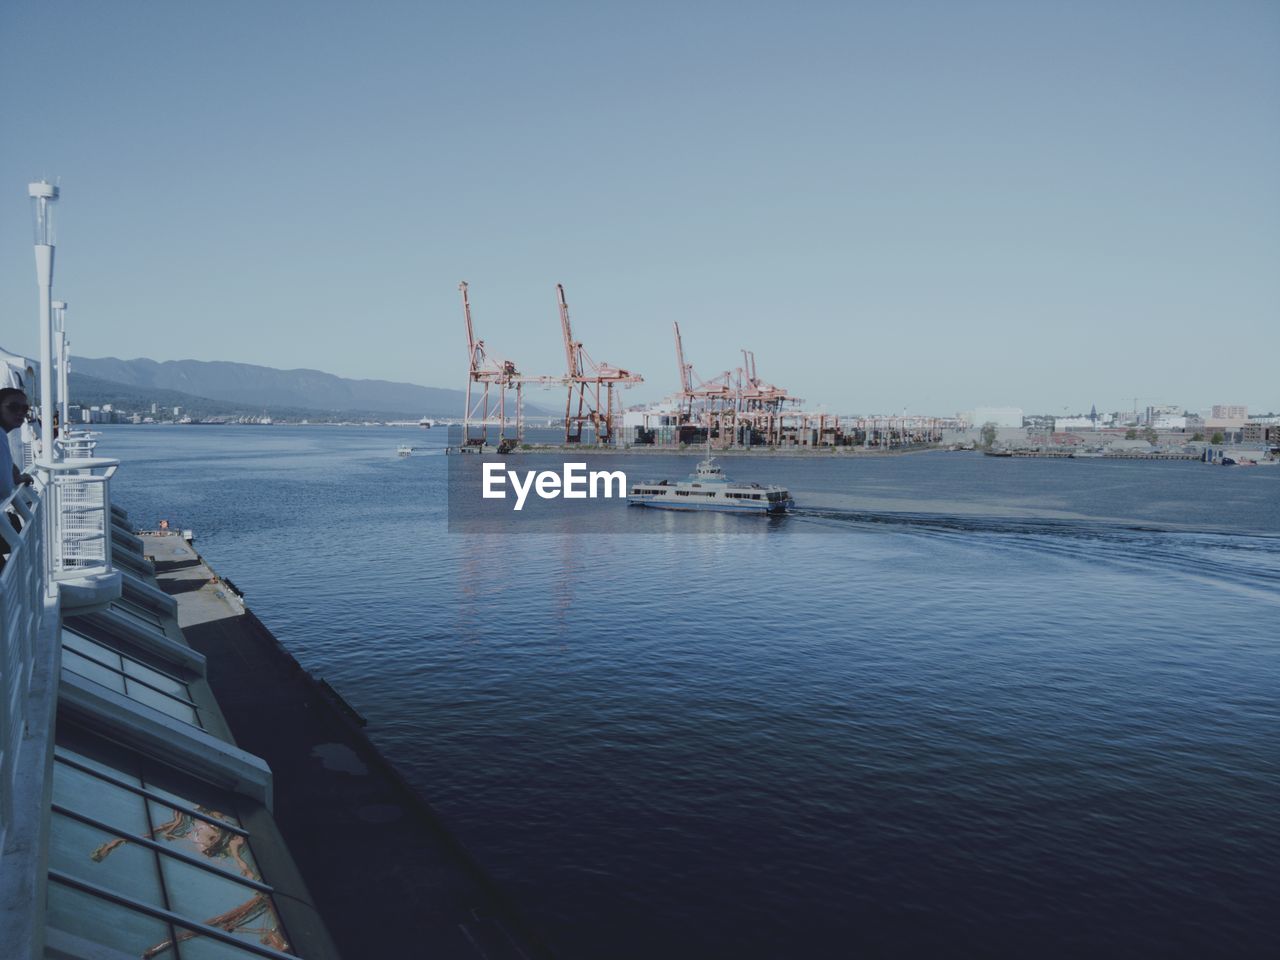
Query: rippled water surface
point(991, 707)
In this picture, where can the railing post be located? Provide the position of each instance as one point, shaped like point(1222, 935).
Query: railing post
point(79, 552)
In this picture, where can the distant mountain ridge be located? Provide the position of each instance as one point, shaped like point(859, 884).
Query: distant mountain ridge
point(94, 391)
point(262, 388)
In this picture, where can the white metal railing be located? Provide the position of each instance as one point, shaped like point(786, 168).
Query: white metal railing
point(76, 445)
point(81, 517)
point(22, 539)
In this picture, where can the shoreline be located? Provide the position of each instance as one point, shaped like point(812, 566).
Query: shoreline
point(700, 451)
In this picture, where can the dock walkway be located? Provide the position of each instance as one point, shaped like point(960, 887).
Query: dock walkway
point(389, 879)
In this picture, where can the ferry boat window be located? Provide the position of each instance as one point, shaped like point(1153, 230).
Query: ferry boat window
point(119, 672)
point(151, 862)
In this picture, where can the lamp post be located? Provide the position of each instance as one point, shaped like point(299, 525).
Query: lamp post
point(64, 371)
point(43, 195)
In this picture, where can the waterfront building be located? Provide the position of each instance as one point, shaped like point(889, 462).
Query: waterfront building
point(1263, 430)
point(1061, 424)
point(1230, 411)
point(1226, 419)
point(1160, 410)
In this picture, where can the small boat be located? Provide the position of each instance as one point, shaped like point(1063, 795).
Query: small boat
point(709, 489)
point(404, 450)
point(425, 423)
point(1243, 460)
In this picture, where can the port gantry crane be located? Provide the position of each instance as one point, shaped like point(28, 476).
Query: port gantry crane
point(586, 379)
point(488, 408)
point(760, 405)
point(705, 402)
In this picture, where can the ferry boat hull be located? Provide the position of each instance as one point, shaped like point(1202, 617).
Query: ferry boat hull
point(709, 489)
point(752, 507)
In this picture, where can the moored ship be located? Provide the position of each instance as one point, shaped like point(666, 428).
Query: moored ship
point(709, 489)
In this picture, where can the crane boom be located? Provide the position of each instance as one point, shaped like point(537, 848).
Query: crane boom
point(686, 374)
point(572, 350)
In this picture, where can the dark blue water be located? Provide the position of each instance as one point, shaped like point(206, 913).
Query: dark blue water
point(1001, 708)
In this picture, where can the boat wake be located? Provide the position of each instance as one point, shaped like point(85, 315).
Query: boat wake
point(1218, 555)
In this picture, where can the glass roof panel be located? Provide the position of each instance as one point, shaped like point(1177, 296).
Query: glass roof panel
point(162, 702)
point(191, 793)
point(101, 921)
point(106, 757)
point(103, 859)
point(180, 831)
point(219, 901)
point(87, 794)
point(91, 670)
point(89, 648)
point(205, 948)
point(156, 679)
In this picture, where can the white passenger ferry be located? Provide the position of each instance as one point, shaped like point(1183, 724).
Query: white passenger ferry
point(709, 489)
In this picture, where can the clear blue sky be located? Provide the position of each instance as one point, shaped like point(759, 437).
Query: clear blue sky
point(920, 205)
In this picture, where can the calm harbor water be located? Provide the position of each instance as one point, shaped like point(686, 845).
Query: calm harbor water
point(1000, 707)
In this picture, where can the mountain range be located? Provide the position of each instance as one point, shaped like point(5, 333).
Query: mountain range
point(248, 388)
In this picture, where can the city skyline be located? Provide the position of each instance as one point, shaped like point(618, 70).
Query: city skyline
point(921, 207)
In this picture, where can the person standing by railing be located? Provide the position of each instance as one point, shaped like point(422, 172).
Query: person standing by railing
point(14, 408)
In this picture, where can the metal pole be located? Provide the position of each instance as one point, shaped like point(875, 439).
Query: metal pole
point(44, 254)
point(43, 195)
point(60, 319)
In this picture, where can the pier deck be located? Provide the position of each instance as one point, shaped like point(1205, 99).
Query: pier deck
point(388, 877)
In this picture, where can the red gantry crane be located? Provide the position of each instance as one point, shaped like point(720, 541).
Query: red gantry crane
point(488, 381)
point(587, 380)
point(704, 402)
point(761, 405)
